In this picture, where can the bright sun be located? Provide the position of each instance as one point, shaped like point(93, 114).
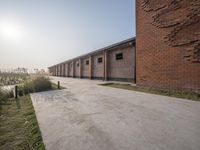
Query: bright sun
point(10, 31)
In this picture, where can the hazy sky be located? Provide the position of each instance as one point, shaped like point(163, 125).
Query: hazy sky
point(41, 33)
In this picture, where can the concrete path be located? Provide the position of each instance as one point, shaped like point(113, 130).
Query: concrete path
point(86, 116)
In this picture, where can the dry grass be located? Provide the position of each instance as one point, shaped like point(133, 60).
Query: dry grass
point(18, 126)
point(178, 94)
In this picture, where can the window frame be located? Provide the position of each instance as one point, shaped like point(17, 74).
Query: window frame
point(100, 60)
point(87, 62)
point(119, 56)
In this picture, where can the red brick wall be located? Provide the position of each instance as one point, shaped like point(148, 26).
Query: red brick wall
point(71, 67)
point(85, 68)
point(109, 69)
point(124, 68)
point(77, 72)
point(66, 69)
point(98, 68)
point(168, 44)
point(59, 70)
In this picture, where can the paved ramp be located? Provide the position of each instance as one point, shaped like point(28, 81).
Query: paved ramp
point(86, 116)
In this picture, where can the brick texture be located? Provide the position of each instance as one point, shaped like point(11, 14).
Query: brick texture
point(124, 68)
point(108, 69)
point(77, 72)
point(98, 68)
point(168, 44)
point(71, 69)
point(85, 68)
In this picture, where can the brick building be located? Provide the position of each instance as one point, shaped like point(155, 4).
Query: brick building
point(168, 44)
point(115, 62)
point(166, 54)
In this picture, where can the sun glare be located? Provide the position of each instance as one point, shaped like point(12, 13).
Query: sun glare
point(10, 31)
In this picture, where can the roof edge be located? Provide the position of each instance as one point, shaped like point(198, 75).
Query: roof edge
point(99, 50)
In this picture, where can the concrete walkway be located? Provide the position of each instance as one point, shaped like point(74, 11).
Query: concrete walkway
point(86, 116)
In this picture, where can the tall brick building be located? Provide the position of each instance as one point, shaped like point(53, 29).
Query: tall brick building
point(168, 44)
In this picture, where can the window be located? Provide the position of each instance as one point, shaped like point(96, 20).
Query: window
point(87, 62)
point(77, 64)
point(119, 56)
point(100, 60)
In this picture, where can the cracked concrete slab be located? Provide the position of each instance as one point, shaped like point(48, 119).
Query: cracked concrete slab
point(87, 116)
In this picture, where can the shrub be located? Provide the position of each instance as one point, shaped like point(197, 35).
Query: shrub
point(20, 91)
point(41, 84)
point(9, 94)
point(37, 85)
point(5, 94)
point(2, 96)
point(28, 88)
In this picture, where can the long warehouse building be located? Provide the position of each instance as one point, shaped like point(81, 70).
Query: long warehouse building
point(115, 62)
point(165, 54)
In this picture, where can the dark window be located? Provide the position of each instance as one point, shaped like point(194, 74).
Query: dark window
point(87, 62)
point(100, 60)
point(119, 56)
point(77, 64)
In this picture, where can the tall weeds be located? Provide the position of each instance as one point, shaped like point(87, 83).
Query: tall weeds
point(37, 85)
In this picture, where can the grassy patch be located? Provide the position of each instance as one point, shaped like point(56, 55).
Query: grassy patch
point(38, 84)
point(18, 125)
point(178, 94)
